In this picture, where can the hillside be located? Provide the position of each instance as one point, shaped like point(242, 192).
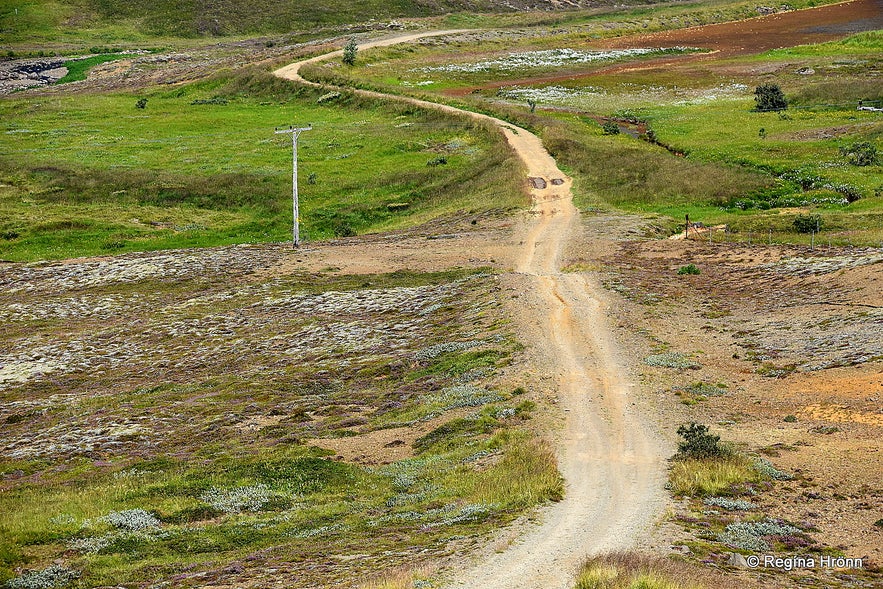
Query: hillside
point(29, 21)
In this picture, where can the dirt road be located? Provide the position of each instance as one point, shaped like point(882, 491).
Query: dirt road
point(611, 459)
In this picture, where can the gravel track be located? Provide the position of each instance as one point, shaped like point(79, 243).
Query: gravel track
point(610, 456)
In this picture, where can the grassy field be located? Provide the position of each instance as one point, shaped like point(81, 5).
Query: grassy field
point(756, 172)
point(200, 165)
point(209, 462)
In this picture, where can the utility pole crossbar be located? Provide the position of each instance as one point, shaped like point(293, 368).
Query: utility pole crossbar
point(295, 133)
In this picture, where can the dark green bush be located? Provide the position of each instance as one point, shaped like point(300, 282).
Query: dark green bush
point(807, 223)
point(349, 52)
point(861, 153)
point(699, 443)
point(770, 97)
point(610, 128)
point(689, 269)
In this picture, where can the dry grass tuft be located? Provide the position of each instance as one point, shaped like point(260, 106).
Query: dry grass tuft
point(399, 578)
point(527, 474)
point(630, 570)
point(708, 477)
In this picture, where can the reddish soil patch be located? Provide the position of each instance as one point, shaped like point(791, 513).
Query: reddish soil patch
point(786, 29)
point(756, 35)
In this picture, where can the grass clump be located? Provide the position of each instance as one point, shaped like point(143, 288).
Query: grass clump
point(637, 571)
point(689, 269)
point(526, 475)
point(701, 478)
point(703, 466)
point(706, 467)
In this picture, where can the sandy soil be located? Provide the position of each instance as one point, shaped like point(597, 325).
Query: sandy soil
point(612, 460)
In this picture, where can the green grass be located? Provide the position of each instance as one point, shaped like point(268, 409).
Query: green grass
point(754, 172)
point(85, 177)
point(711, 477)
point(78, 69)
point(868, 43)
point(636, 571)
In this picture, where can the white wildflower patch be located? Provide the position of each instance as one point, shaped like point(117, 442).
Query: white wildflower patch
point(544, 58)
point(91, 545)
point(548, 94)
point(730, 504)
point(438, 349)
point(132, 520)
point(54, 575)
point(249, 498)
point(752, 535)
point(459, 396)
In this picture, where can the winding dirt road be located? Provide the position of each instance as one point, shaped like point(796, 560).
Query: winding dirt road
point(611, 458)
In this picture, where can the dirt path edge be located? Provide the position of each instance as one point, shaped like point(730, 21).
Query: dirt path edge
point(612, 458)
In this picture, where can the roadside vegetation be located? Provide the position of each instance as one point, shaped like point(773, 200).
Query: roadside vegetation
point(200, 166)
point(694, 142)
point(629, 570)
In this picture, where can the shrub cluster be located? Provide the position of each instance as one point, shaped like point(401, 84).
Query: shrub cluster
point(730, 504)
point(671, 360)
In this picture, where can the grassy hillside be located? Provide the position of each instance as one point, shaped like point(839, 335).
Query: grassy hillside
point(120, 21)
point(200, 165)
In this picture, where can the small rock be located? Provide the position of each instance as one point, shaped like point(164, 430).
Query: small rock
point(737, 560)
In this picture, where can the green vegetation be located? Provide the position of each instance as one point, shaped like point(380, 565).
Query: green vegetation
point(349, 52)
point(706, 467)
point(193, 468)
point(689, 269)
point(707, 478)
point(635, 571)
point(699, 444)
point(706, 151)
point(769, 97)
point(86, 177)
point(77, 69)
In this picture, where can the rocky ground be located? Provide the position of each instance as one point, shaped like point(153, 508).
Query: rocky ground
point(782, 355)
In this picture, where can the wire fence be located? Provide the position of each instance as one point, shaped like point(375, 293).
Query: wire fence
point(814, 240)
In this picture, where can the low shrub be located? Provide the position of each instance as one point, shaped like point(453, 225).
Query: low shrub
point(807, 223)
point(54, 575)
point(755, 536)
point(698, 443)
point(610, 128)
point(132, 520)
point(729, 504)
point(671, 360)
point(689, 269)
point(861, 153)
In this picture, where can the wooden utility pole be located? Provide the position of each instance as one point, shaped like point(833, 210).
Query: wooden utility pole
point(295, 133)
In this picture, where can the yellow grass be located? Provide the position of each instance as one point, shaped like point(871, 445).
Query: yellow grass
point(711, 477)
